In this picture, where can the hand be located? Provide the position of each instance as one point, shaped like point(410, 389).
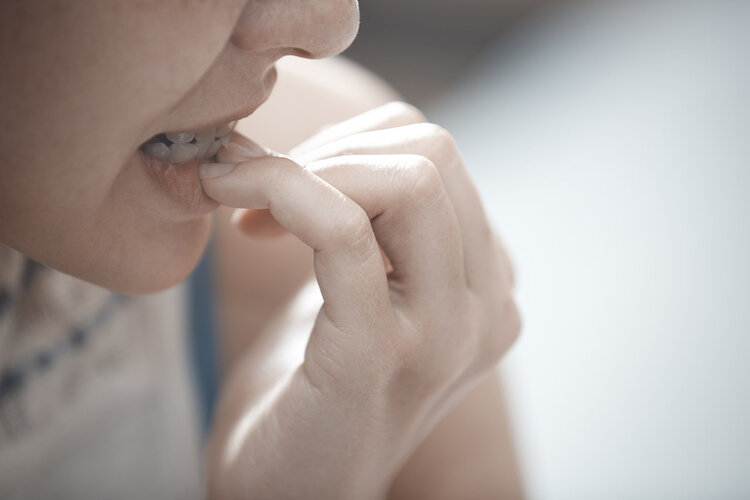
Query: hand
point(390, 352)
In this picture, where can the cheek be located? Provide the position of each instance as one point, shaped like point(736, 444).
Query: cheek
point(138, 240)
point(128, 254)
point(89, 78)
point(88, 81)
point(124, 244)
point(151, 260)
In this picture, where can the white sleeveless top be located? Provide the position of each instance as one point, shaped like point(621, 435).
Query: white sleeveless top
point(96, 398)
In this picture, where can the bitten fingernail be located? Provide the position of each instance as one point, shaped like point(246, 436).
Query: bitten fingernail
point(209, 170)
point(249, 149)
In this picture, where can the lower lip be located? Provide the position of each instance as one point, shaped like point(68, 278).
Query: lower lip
point(181, 184)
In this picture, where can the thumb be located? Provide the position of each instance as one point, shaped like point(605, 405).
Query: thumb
point(258, 223)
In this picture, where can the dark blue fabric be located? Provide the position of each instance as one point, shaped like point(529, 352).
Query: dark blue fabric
point(203, 336)
point(7, 296)
point(15, 375)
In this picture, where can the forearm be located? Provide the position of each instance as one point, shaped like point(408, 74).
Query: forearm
point(250, 295)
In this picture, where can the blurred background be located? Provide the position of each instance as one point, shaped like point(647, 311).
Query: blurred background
point(611, 143)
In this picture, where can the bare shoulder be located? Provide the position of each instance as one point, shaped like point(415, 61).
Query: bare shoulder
point(310, 94)
point(256, 277)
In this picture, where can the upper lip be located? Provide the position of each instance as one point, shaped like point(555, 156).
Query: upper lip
point(238, 112)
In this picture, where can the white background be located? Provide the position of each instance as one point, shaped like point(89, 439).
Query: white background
point(611, 143)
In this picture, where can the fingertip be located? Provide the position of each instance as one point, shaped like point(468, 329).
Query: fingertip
point(212, 170)
point(241, 148)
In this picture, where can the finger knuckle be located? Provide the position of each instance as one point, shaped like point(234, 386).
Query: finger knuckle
point(405, 354)
point(425, 186)
point(443, 143)
point(354, 231)
point(430, 354)
point(410, 112)
point(280, 174)
point(516, 323)
point(507, 266)
point(502, 333)
point(415, 369)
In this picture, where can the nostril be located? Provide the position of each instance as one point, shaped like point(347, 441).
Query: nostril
point(312, 30)
point(301, 53)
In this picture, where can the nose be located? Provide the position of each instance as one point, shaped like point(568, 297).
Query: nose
point(307, 28)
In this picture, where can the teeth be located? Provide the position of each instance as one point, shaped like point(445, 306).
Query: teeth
point(157, 150)
point(205, 136)
point(203, 148)
point(179, 153)
point(180, 147)
point(204, 140)
point(181, 137)
point(223, 130)
point(214, 148)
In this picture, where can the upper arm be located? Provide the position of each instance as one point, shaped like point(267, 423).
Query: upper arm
point(469, 454)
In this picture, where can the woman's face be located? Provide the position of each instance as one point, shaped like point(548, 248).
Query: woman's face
point(85, 83)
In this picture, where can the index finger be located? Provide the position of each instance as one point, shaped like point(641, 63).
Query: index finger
point(348, 265)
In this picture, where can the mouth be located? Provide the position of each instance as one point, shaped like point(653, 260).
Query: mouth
point(172, 158)
point(201, 142)
point(182, 147)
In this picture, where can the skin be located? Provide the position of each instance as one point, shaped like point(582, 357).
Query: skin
point(470, 452)
point(394, 347)
point(92, 81)
point(398, 344)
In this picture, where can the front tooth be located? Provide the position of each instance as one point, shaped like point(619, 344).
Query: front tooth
point(157, 150)
point(179, 153)
point(180, 137)
point(203, 148)
point(205, 136)
point(204, 140)
point(214, 148)
point(223, 130)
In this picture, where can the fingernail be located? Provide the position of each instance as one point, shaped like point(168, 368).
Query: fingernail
point(208, 170)
point(247, 149)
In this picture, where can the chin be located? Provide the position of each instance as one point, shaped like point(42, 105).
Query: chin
point(156, 264)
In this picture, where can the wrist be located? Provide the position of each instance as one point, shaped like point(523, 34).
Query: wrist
point(294, 444)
